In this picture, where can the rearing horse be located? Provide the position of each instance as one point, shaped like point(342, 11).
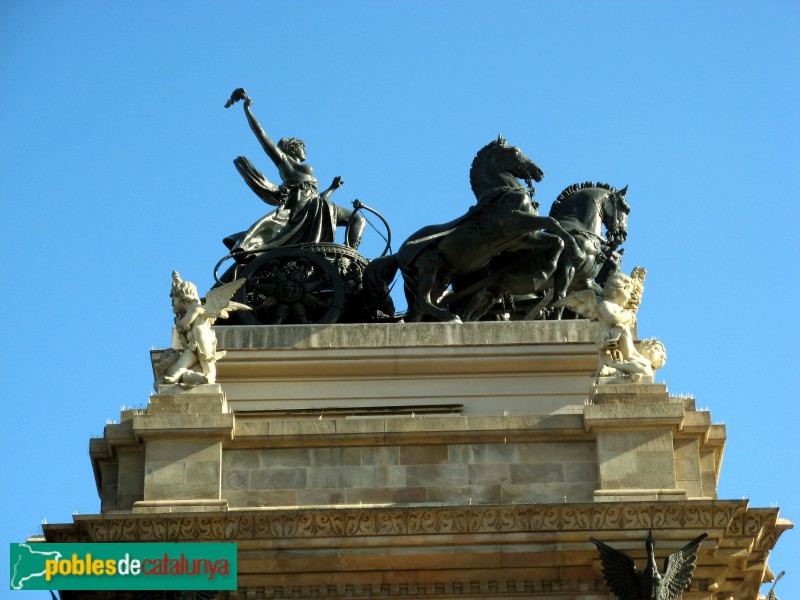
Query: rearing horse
point(582, 210)
point(504, 218)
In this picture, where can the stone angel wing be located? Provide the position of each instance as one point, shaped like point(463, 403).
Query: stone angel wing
point(619, 571)
point(638, 274)
point(218, 304)
point(583, 303)
point(678, 569)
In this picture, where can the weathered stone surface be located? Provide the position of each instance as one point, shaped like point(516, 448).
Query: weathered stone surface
point(380, 365)
point(181, 491)
point(537, 473)
point(310, 459)
point(218, 426)
point(409, 495)
point(549, 492)
point(380, 455)
point(565, 451)
point(423, 455)
point(240, 459)
point(305, 427)
point(437, 475)
point(494, 501)
point(471, 494)
point(449, 423)
point(279, 479)
point(636, 459)
point(411, 335)
point(390, 476)
point(627, 416)
point(483, 453)
point(320, 497)
point(340, 457)
point(171, 451)
point(488, 474)
point(273, 458)
point(203, 472)
point(342, 477)
point(369, 496)
point(236, 480)
point(164, 473)
point(581, 471)
point(709, 484)
point(457, 549)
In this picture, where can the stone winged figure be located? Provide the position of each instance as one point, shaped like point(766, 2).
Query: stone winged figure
point(627, 583)
point(195, 364)
point(615, 311)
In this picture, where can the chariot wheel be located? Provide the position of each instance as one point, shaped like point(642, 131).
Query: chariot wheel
point(291, 286)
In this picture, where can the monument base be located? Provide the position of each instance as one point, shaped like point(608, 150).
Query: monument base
point(470, 461)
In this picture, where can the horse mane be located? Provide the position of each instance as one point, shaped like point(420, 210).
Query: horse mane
point(479, 158)
point(555, 210)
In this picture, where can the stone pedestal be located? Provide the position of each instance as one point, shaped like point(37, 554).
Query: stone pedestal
point(634, 426)
point(183, 433)
point(409, 461)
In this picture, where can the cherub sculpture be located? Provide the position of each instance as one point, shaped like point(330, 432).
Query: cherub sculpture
point(628, 583)
point(195, 364)
point(615, 311)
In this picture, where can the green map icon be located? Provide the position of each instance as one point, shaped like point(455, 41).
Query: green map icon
point(28, 565)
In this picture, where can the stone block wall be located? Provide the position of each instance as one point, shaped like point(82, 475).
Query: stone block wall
point(130, 487)
point(189, 451)
point(477, 473)
point(182, 469)
point(687, 466)
point(636, 459)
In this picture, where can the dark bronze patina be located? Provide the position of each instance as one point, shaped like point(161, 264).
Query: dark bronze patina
point(504, 219)
point(628, 583)
point(582, 210)
point(304, 215)
point(500, 259)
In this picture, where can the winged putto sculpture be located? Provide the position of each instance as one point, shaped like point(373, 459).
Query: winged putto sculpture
point(628, 583)
point(195, 363)
point(615, 310)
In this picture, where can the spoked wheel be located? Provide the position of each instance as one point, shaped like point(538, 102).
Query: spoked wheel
point(291, 286)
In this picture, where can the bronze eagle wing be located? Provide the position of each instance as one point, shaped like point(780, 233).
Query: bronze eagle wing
point(678, 569)
point(619, 571)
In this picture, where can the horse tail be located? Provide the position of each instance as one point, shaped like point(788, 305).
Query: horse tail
point(379, 274)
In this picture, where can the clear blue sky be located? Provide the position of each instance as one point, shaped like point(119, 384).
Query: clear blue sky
point(115, 169)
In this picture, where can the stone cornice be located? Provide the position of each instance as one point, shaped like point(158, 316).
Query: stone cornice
point(407, 335)
point(732, 517)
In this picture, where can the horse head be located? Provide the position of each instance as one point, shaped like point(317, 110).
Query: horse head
point(615, 216)
point(513, 160)
point(496, 162)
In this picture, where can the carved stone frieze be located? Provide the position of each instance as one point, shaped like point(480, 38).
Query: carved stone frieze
point(462, 588)
point(732, 516)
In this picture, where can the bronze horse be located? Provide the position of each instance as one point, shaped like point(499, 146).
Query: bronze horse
point(582, 210)
point(504, 218)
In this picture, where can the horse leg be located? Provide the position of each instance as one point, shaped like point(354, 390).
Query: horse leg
point(589, 284)
point(563, 278)
point(552, 252)
point(412, 314)
point(429, 280)
point(550, 247)
point(477, 305)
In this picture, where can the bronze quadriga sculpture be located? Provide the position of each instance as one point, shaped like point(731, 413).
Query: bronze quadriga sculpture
point(500, 253)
